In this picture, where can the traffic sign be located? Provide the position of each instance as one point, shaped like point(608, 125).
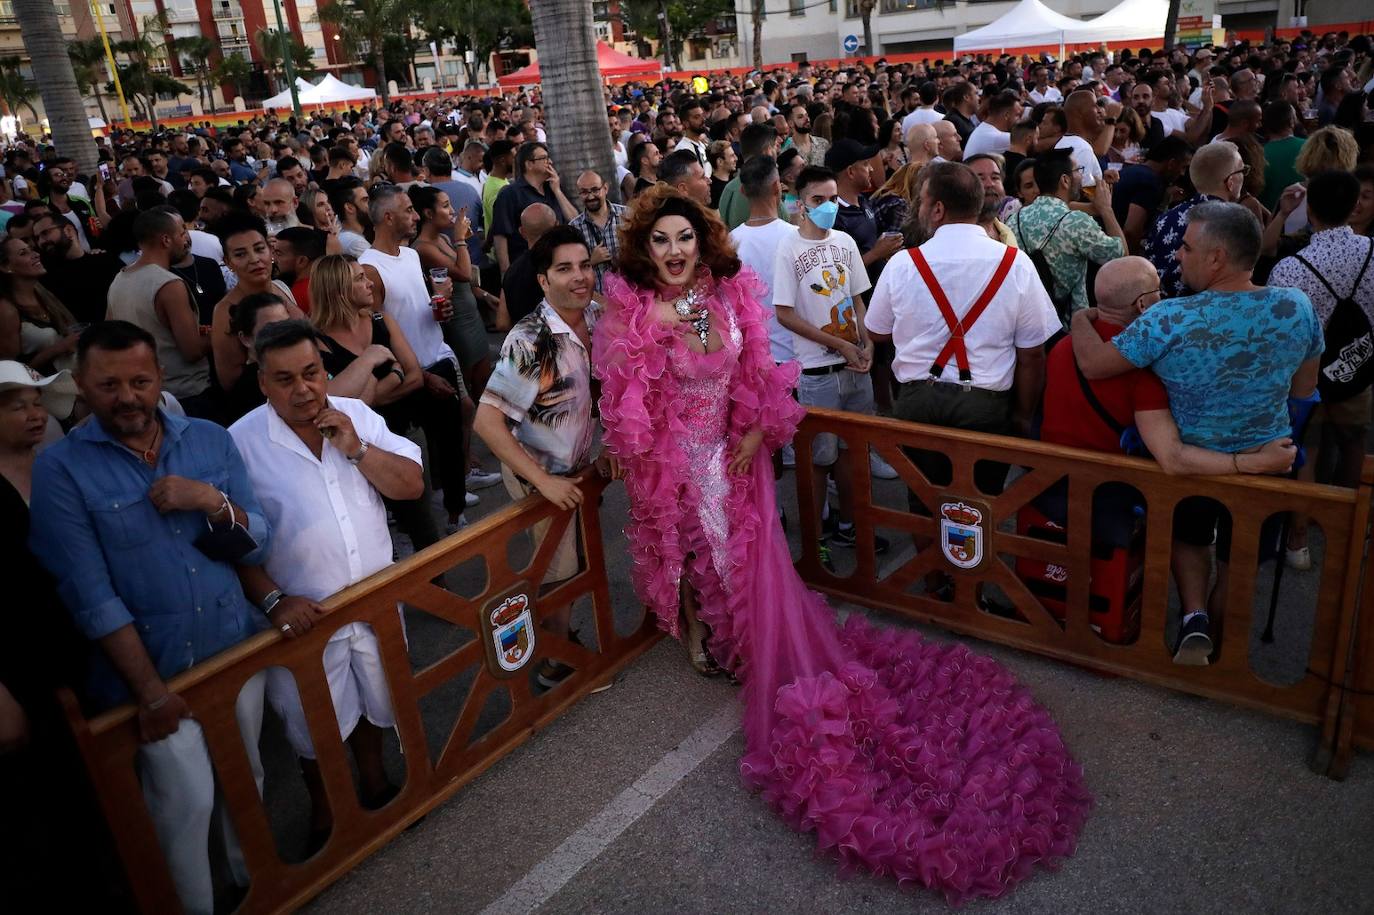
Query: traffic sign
point(851, 43)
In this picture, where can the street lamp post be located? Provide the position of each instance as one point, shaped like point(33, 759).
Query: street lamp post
point(287, 64)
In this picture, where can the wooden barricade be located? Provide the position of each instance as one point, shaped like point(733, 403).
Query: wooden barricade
point(109, 742)
point(1356, 721)
point(1343, 515)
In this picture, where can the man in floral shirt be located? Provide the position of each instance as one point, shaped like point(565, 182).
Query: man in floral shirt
point(1217, 173)
point(1067, 238)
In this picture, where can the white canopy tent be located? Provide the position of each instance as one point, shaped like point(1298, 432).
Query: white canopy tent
point(331, 89)
point(283, 98)
point(1027, 24)
point(1129, 20)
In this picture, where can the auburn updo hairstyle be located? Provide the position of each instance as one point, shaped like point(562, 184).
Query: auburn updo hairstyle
point(714, 245)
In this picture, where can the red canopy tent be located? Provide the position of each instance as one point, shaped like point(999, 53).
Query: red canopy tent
point(612, 63)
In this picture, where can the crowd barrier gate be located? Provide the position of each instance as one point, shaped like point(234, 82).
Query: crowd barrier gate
point(1322, 697)
point(109, 741)
point(1336, 694)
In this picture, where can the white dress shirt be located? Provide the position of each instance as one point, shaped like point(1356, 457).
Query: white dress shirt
point(328, 522)
point(963, 259)
point(1051, 94)
point(920, 116)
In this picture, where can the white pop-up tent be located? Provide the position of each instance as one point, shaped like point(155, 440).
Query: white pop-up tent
point(331, 90)
point(283, 98)
point(1028, 24)
point(1129, 20)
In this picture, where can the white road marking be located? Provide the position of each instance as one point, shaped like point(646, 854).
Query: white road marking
point(586, 844)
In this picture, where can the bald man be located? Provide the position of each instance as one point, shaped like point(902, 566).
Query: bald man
point(922, 144)
point(520, 291)
point(1217, 173)
point(1088, 135)
point(1125, 288)
point(948, 146)
point(278, 198)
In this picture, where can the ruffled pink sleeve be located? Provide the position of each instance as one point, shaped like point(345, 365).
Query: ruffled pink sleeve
point(761, 390)
point(631, 360)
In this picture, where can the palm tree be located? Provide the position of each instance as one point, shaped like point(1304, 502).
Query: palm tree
point(363, 26)
point(866, 11)
point(90, 66)
point(138, 77)
point(52, 70)
point(15, 91)
point(234, 70)
point(571, 82)
point(196, 51)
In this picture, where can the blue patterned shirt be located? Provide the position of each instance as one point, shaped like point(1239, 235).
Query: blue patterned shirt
point(1227, 360)
point(119, 561)
point(1163, 241)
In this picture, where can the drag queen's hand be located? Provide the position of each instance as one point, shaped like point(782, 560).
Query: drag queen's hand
point(743, 455)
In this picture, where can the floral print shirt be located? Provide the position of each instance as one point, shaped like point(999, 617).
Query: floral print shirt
point(1068, 248)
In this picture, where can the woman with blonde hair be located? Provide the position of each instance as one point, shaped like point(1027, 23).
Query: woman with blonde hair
point(893, 201)
point(1327, 149)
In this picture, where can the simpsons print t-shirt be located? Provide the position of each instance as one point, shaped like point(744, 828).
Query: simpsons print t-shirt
point(819, 279)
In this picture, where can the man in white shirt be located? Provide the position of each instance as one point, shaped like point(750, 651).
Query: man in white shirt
point(925, 113)
point(1086, 125)
point(1042, 91)
point(818, 284)
point(398, 284)
point(321, 467)
point(993, 134)
point(694, 136)
point(988, 378)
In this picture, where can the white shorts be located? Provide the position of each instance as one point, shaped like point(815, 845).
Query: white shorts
point(357, 684)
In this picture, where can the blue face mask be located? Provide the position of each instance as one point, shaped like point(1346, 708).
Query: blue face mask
point(824, 215)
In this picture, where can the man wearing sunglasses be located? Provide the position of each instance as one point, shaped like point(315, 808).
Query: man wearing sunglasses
point(1218, 174)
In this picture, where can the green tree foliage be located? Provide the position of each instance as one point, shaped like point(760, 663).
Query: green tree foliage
point(233, 69)
point(195, 52)
point(479, 26)
point(15, 91)
point(91, 70)
point(269, 42)
point(685, 19)
point(363, 26)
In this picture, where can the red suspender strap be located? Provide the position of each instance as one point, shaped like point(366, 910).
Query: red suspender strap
point(958, 328)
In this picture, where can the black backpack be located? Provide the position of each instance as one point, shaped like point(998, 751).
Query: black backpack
point(1063, 304)
point(1347, 363)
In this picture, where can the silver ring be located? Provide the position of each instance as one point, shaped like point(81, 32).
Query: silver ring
point(285, 627)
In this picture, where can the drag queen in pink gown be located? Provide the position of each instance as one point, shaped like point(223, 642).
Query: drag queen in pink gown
point(906, 757)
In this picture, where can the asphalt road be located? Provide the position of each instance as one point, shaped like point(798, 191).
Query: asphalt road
point(631, 803)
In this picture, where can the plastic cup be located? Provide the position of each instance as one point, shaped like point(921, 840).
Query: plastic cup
point(438, 274)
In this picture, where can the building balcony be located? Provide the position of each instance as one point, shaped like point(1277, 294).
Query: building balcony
point(225, 11)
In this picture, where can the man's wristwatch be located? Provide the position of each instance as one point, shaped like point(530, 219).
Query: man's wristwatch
point(361, 453)
point(269, 603)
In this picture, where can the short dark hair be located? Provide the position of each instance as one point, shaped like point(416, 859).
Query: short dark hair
point(186, 203)
point(1331, 196)
point(957, 187)
point(812, 174)
point(151, 223)
point(114, 337)
point(1051, 166)
point(754, 139)
point(204, 173)
point(236, 222)
point(436, 161)
point(305, 241)
point(675, 166)
point(340, 191)
point(286, 163)
point(541, 254)
point(244, 315)
point(524, 152)
point(1167, 149)
point(929, 92)
point(1003, 101)
point(283, 335)
point(1278, 115)
point(398, 155)
point(756, 176)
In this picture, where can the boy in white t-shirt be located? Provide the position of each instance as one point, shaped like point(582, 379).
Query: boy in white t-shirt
point(818, 285)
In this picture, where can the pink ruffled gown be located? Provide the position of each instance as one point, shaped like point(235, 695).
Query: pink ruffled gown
point(919, 760)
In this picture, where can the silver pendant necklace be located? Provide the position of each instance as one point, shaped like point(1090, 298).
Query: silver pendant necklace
point(694, 301)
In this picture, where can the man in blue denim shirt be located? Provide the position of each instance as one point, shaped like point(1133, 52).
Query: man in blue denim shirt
point(122, 509)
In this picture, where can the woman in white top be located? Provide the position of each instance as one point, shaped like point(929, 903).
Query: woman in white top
point(35, 328)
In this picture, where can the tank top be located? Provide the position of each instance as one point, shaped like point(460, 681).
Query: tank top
point(407, 301)
point(131, 299)
point(401, 414)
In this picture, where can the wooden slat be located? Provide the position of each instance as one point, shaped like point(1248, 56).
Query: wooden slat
point(109, 741)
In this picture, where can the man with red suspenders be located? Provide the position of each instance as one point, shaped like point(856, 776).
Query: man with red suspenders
point(969, 318)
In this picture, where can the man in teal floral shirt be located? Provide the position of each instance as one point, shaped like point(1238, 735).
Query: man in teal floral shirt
point(1067, 238)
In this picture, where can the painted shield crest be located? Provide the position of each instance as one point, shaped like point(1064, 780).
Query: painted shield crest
point(512, 632)
point(961, 534)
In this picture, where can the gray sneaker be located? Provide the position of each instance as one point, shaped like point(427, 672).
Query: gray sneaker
point(1194, 644)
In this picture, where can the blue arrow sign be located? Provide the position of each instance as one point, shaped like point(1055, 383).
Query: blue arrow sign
point(851, 43)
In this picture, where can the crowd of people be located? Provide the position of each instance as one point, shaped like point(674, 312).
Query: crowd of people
point(233, 359)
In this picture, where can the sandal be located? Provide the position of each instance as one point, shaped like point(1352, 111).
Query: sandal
point(700, 656)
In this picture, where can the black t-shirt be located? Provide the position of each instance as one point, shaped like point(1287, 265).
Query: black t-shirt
point(523, 294)
point(858, 223)
point(1154, 132)
point(206, 283)
point(1010, 160)
point(506, 210)
point(1140, 185)
point(83, 284)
